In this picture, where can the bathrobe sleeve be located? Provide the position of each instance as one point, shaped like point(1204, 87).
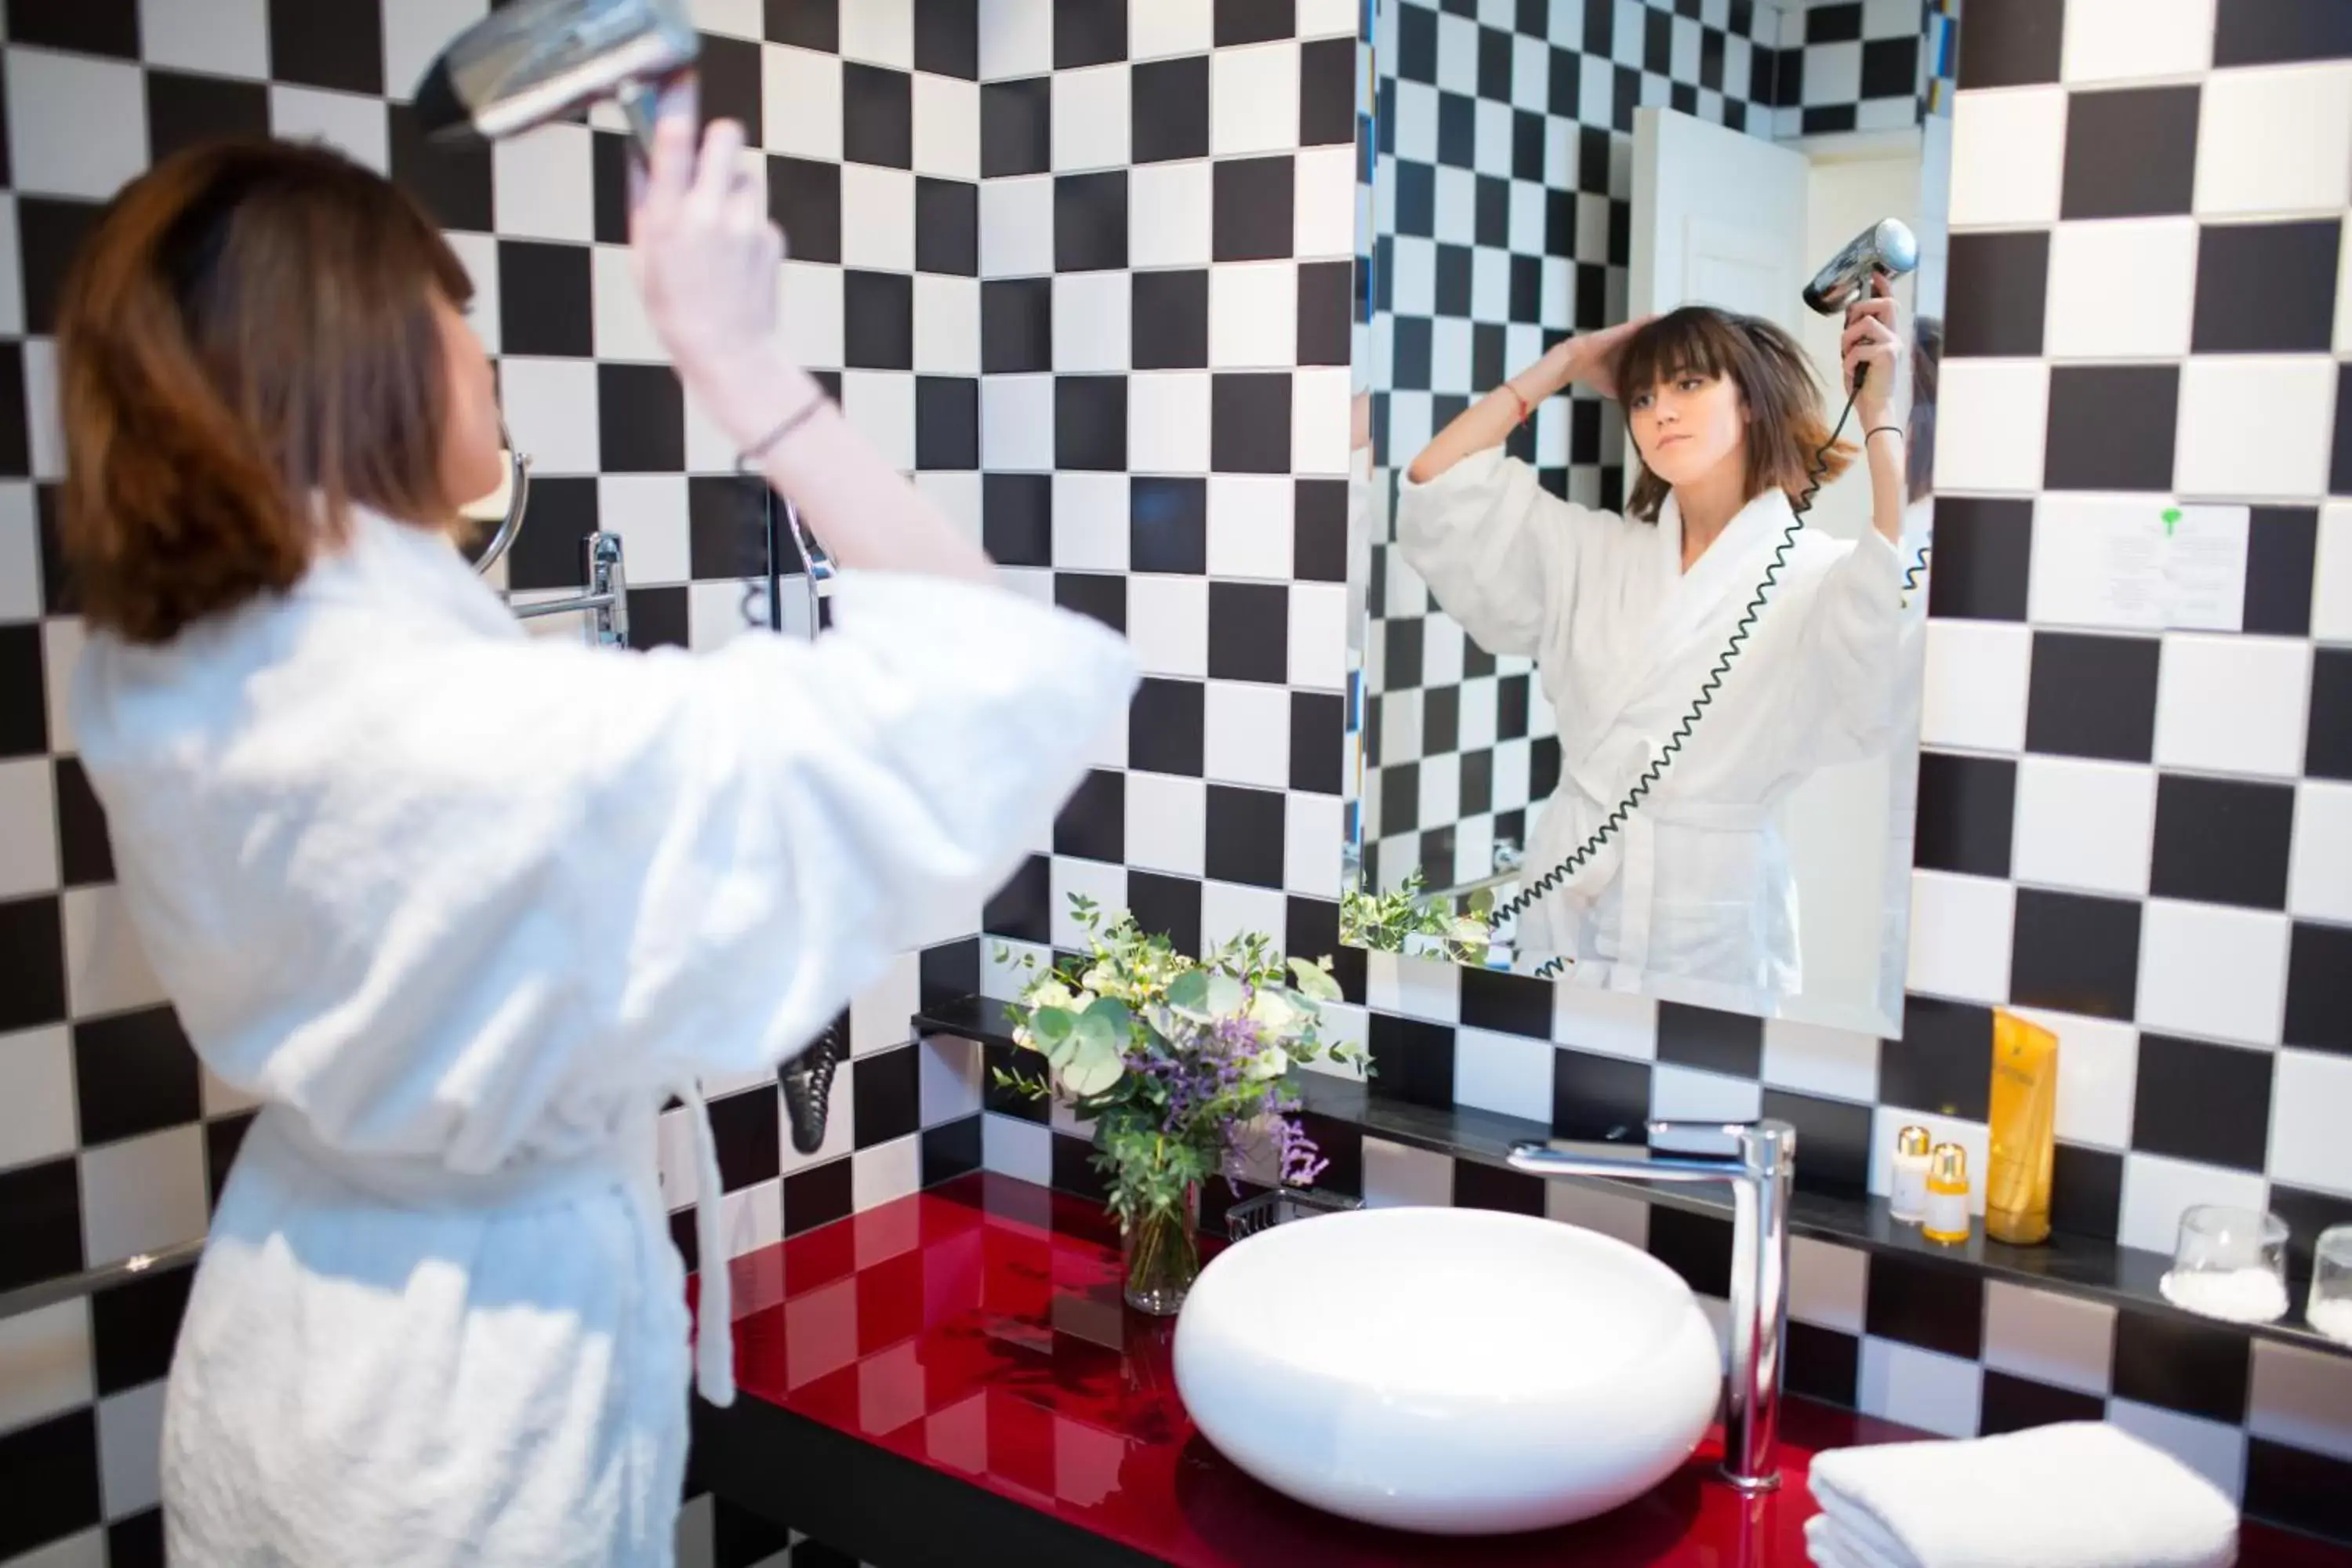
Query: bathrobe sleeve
point(1498, 551)
point(1852, 645)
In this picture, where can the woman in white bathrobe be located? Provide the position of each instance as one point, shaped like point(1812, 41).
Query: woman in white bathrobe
point(1626, 615)
point(463, 908)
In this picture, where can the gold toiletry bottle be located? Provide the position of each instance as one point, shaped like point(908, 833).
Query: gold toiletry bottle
point(1947, 1194)
point(2024, 1130)
point(1907, 1193)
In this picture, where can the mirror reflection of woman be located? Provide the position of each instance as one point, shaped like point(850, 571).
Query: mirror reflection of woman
point(1626, 615)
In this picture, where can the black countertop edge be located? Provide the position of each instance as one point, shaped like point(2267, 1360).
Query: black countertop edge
point(2093, 1268)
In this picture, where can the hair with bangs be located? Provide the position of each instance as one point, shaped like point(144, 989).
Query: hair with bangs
point(248, 334)
point(1787, 429)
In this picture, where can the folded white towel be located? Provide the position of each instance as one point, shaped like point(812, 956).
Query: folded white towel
point(2080, 1494)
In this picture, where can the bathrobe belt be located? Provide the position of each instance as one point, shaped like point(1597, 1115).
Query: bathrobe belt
point(1631, 854)
point(419, 1183)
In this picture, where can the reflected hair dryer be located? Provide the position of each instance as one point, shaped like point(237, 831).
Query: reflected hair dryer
point(1887, 246)
point(537, 60)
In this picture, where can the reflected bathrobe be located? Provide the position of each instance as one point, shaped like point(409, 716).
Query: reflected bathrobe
point(462, 908)
point(1692, 895)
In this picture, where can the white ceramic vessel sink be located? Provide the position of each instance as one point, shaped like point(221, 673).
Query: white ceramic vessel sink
point(1452, 1371)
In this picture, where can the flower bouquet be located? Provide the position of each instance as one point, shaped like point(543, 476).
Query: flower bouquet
point(1183, 1066)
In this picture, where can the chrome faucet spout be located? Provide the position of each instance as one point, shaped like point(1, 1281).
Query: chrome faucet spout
point(1758, 1160)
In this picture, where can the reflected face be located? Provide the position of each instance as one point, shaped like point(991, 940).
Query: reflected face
point(1688, 426)
point(473, 459)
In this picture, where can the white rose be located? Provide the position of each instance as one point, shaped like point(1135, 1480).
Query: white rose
point(1269, 1063)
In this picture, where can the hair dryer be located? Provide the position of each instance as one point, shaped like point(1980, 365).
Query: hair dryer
point(1887, 246)
point(534, 60)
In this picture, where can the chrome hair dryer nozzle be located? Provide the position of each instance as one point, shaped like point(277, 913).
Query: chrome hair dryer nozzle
point(1887, 246)
point(535, 60)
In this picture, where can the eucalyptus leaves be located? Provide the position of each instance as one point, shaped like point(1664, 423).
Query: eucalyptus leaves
point(1405, 921)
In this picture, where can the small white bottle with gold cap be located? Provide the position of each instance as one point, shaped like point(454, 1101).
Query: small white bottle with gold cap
point(1906, 1197)
point(1947, 1194)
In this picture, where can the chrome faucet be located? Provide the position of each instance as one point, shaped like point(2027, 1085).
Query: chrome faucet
point(1758, 1160)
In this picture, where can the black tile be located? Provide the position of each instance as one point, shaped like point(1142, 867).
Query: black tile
point(1413, 1060)
point(1016, 127)
point(1325, 290)
point(1169, 315)
point(1838, 23)
point(947, 226)
point(2000, 285)
point(1319, 531)
point(1714, 1041)
point(545, 300)
point(2091, 696)
point(2265, 287)
point(52, 1486)
point(546, 551)
point(1967, 806)
point(1822, 1363)
point(2306, 1215)
point(1088, 33)
point(948, 971)
point(1924, 1304)
point(223, 1138)
point(451, 179)
point(1821, 120)
point(1511, 707)
point(134, 1073)
point(1023, 910)
point(1441, 722)
point(2273, 32)
point(877, 116)
point(2073, 952)
point(133, 1325)
point(817, 1196)
point(1890, 68)
point(746, 1129)
point(2010, 43)
point(1249, 631)
point(726, 522)
point(1252, 202)
point(24, 696)
point(804, 200)
point(609, 155)
point(49, 232)
point(1481, 1186)
point(1090, 222)
point(1016, 325)
point(1696, 1245)
point(1399, 798)
point(2281, 544)
point(2111, 427)
point(1090, 421)
point(1494, 63)
point(1254, 21)
point(1000, 1098)
point(1169, 108)
point(1245, 836)
point(31, 964)
point(879, 321)
point(2201, 1369)
point(2298, 1489)
point(136, 1541)
point(809, 23)
point(2087, 1191)
point(947, 38)
point(2328, 743)
point(15, 434)
point(1167, 525)
point(84, 849)
point(183, 110)
point(1508, 1003)
point(884, 1102)
point(727, 71)
point(91, 26)
point(1100, 594)
point(1167, 905)
point(682, 1237)
point(2222, 841)
point(640, 419)
point(741, 1539)
point(1763, 77)
point(2319, 987)
point(40, 1227)
point(2131, 153)
point(1311, 930)
point(1165, 728)
point(1317, 723)
point(1943, 1063)
point(1249, 422)
point(950, 1149)
point(1832, 1141)
point(658, 617)
point(947, 423)
point(1599, 1097)
point(1452, 285)
point(1073, 1169)
point(2013, 1403)
point(1092, 825)
point(328, 43)
point(2204, 1102)
point(1416, 45)
point(1326, 92)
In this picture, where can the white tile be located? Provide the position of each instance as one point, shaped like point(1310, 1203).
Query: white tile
point(142, 1194)
point(881, 405)
point(1396, 1176)
point(623, 329)
point(12, 281)
point(2080, 823)
point(2133, 41)
point(1229, 910)
point(354, 124)
point(1168, 215)
point(1325, 213)
point(2318, 885)
point(799, 102)
point(2121, 289)
point(1016, 227)
point(1324, 18)
point(1506, 1073)
point(885, 1171)
point(2211, 970)
point(550, 409)
point(2259, 136)
point(948, 1077)
point(2301, 1397)
point(1686, 1094)
point(1320, 413)
point(1247, 734)
point(1960, 935)
point(61, 641)
point(1253, 99)
point(47, 436)
point(105, 967)
point(2058, 1340)
point(880, 32)
point(2253, 428)
point(2212, 1449)
point(1071, 877)
point(1975, 685)
point(37, 1101)
point(810, 311)
point(1168, 624)
point(1833, 73)
point(1313, 826)
point(1817, 1059)
point(1829, 1286)
point(45, 1364)
point(1016, 424)
point(946, 111)
point(478, 254)
point(131, 1449)
point(1168, 422)
point(1318, 636)
point(1157, 28)
point(2310, 1092)
point(231, 38)
point(2071, 579)
point(1167, 823)
point(1091, 118)
point(1608, 1022)
point(2331, 592)
point(1093, 322)
point(648, 512)
point(1016, 38)
point(76, 126)
point(1412, 987)
point(2007, 156)
point(1611, 1214)
point(1922, 1388)
point(2233, 704)
point(752, 1218)
point(1974, 1138)
point(1251, 523)
point(542, 185)
point(2098, 1071)
point(736, 18)
point(28, 829)
point(2158, 1188)
point(1254, 315)
point(878, 1016)
point(87, 1550)
point(1090, 528)
point(1990, 424)
point(878, 219)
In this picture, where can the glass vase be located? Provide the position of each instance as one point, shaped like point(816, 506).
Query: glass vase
point(1161, 1246)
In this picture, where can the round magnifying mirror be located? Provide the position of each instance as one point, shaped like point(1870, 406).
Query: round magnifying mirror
point(503, 507)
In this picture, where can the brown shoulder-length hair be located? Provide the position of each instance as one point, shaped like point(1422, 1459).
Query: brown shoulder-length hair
point(1787, 429)
point(246, 347)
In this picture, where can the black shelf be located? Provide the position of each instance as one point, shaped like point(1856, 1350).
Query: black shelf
point(2093, 1268)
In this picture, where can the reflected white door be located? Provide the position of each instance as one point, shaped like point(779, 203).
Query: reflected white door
point(1719, 219)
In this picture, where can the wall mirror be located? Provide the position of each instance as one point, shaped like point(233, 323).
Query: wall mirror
point(1588, 742)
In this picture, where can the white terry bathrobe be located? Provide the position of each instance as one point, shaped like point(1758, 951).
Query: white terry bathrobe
point(463, 908)
point(1695, 889)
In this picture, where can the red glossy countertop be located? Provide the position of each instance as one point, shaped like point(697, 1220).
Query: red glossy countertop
point(976, 1329)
